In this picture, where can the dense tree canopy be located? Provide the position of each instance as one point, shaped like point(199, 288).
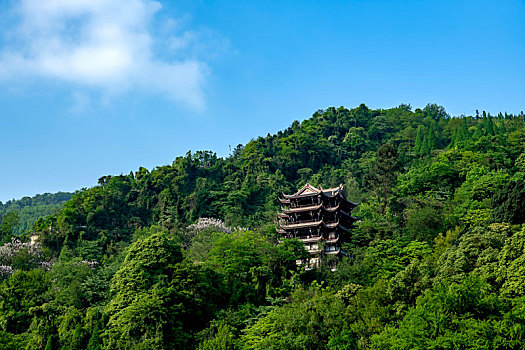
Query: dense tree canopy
point(186, 256)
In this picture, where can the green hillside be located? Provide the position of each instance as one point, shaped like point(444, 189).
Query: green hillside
point(184, 256)
point(20, 215)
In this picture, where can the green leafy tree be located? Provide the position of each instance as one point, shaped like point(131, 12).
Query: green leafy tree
point(430, 141)
point(159, 300)
point(306, 323)
point(424, 220)
point(222, 340)
point(8, 224)
point(418, 145)
point(94, 342)
point(139, 314)
point(19, 293)
point(383, 174)
point(448, 316)
point(512, 265)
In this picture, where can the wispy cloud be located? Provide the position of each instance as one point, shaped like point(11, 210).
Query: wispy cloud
point(102, 44)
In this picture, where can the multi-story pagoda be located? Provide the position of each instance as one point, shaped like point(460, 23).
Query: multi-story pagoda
point(320, 218)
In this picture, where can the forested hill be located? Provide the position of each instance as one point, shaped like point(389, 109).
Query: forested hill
point(185, 256)
point(18, 216)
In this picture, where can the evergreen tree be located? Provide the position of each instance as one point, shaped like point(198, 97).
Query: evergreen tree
point(509, 203)
point(487, 125)
point(502, 130)
point(463, 133)
point(479, 131)
point(430, 141)
point(454, 139)
point(419, 140)
point(490, 127)
point(383, 174)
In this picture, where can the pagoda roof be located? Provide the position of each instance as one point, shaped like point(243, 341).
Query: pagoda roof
point(332, 192)
point(332, 209)
point(344, 228)
point(302, 225)
point(332, 225)
point(314, 207)
point(297, 210)
point(352, 204)
point(305, 191)
point(309, 190)
point(354, 218)
point(335, 225)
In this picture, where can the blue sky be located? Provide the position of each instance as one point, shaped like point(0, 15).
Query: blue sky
point(98, 87)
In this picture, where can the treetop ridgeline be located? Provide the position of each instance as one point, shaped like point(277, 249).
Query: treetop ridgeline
point(186, 255)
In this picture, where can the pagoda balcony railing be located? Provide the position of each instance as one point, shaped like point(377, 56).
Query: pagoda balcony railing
point(330, 252)
point(313, 250)
point(332, 240)
point(304, 208)
point(309, 221)
point(298, 222)
point(311, 204)
point(309, 239)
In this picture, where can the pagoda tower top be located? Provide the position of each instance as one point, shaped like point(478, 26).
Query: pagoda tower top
point(320, 218)
point(309, 190)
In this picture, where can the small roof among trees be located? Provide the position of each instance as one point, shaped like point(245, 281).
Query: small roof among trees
point(309, 190)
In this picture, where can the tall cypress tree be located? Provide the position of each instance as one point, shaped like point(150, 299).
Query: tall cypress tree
point(502, 129)
point(479, 131)
point(383, 174)
point(419, 140)
point(454, 139)
point(463, 134)
point(430, 141)
point(490, 127)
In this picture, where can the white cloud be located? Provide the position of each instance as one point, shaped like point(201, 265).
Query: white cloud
point(101, 44)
